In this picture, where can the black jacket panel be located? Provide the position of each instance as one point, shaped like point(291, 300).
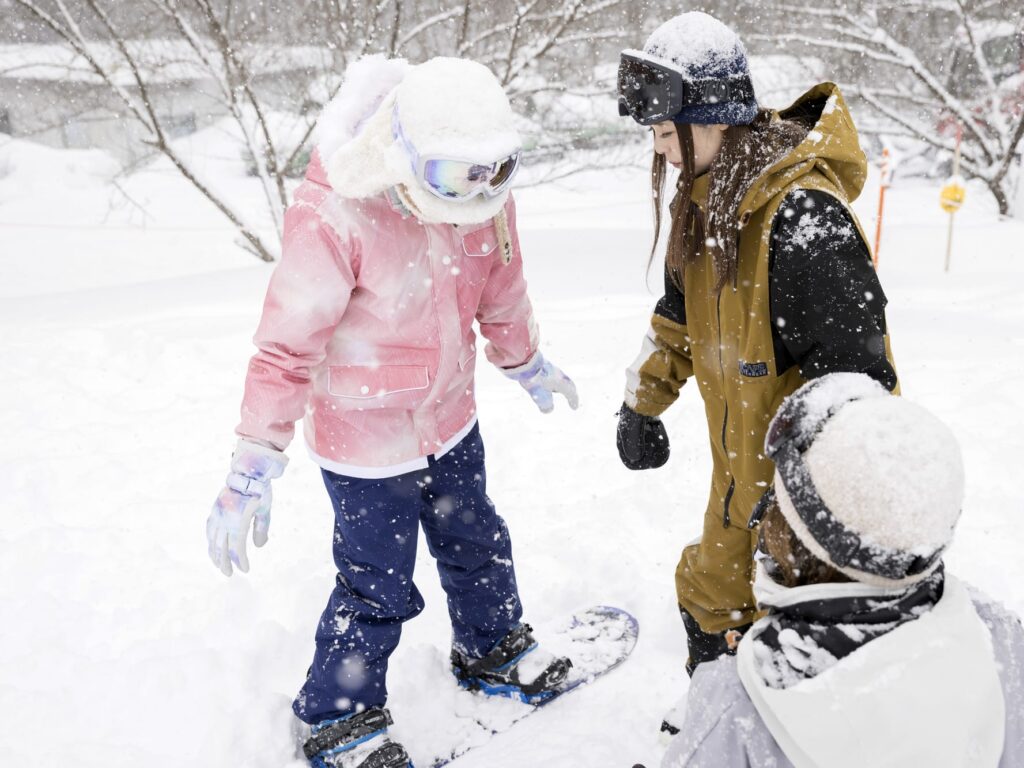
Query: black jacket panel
point(827, 305)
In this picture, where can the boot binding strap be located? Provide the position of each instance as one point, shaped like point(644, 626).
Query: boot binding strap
point(514, 644)
point(347, 730)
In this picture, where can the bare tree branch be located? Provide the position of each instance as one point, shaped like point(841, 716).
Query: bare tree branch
point(922, 61)
point(996, 117)
point(434, 20)
point(268, 165)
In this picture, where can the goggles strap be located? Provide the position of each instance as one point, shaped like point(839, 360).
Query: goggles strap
point(504, 236)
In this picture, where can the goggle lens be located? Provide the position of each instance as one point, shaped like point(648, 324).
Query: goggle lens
point(456, 179)
point(505, 172)
point(649, 93)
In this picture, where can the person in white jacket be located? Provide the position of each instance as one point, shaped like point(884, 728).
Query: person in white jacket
point(870, 654)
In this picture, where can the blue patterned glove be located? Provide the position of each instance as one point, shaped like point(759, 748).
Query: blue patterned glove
point(542, 379)
point(244, 501)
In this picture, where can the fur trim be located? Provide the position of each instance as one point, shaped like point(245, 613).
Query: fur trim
point(367, 82)
point(371, 162)
point(433, 210)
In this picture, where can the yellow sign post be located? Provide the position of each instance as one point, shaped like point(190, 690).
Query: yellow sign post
point(952, 195)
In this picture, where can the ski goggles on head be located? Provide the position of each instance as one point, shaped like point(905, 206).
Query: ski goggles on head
point(457, 180)
point(653, 91)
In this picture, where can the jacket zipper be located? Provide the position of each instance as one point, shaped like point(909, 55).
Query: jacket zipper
point(728, 498)
point(725, 418)
point(438, 323)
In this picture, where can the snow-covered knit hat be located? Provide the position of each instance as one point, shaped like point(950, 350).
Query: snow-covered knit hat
point(446, 107)
point(871, 483)
point(455, 108)
point(706, 50)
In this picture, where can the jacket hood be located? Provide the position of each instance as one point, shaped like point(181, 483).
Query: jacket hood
point(830, 147)
point(367, 82)
point(926, 693)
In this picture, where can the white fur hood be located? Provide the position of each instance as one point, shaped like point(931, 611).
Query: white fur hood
point(368, 81)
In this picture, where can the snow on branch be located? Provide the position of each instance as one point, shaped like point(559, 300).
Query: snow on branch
point(935, 69)
point(836, 45)
point(995, 116)
point(135, 95)
point(427, 23)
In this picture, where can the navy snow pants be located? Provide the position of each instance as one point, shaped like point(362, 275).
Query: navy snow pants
point(375, 536)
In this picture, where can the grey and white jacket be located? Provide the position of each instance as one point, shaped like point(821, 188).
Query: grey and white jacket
point(945, 691)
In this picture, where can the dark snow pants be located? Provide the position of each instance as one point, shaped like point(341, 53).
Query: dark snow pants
point(375, 536)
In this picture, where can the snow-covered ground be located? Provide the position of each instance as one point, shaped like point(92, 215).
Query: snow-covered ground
point(125, 319)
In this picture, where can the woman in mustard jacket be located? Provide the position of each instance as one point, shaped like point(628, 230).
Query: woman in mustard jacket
point(768, 283)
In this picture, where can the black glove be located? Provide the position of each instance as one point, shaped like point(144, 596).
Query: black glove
point(642, 440)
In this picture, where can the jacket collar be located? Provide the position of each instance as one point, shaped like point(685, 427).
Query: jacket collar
point(315, 170)
point(699, 193)
point(316, 174)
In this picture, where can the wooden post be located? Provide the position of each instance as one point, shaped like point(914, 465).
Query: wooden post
point(881, 203)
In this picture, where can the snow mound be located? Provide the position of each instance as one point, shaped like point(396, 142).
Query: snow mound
point(27, 165)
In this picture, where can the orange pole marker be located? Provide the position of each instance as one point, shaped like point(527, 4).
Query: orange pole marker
point(881, 203)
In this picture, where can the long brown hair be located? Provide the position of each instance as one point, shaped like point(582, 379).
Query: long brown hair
point(794, 565)
point(745, 152)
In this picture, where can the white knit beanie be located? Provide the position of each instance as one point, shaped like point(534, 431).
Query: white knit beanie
point(871, 483)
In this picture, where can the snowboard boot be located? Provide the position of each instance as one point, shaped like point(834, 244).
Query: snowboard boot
point(515, 667)
point(703, 646)
point(356, 741)
point(708, 646)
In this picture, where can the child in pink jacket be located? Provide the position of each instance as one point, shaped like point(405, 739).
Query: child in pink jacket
point(402, 235)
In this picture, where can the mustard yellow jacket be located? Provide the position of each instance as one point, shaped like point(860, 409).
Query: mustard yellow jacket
point(801, 250)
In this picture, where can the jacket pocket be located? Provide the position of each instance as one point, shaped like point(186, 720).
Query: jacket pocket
point(380, 386)
point(482, 241)
point(474, 263)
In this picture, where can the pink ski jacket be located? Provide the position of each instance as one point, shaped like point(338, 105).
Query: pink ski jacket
point(367, 331)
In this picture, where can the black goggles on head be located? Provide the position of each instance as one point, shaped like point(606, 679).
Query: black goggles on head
point(652, 91)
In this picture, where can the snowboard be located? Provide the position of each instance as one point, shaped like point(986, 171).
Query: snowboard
point(597, 640)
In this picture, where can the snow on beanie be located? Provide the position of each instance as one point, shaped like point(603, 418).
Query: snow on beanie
point(456, 108)
point(888, 473)
point(704, 48)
